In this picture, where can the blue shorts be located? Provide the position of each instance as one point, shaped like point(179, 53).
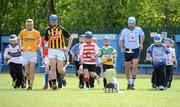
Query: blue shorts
point(130, 56)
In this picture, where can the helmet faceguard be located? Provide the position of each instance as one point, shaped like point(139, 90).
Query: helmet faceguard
point(88, 34)
point(106, 41)
point(29, 24)
point(53, 19)
point(131, 20)
point(13, 38)
point(157, 38)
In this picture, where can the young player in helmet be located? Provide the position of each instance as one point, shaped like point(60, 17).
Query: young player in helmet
point(107, 54)
point(88, 53)
point(13, 57)
point(76, 60)
point(156, 53)
point(170, 61)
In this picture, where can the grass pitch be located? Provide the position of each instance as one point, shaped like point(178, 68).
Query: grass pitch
point(71, 96)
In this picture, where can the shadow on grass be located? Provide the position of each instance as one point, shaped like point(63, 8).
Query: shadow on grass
point(11, 89)
point(152, 89)
point(79, 90)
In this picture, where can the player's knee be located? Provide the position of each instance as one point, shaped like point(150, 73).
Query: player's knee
point(135, 67)
point(93, 74)
point(86, 78)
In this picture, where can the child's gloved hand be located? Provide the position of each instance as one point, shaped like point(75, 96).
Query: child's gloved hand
point(149, 59)
point(6, 60)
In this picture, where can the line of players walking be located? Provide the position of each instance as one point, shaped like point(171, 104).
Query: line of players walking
point(88, 58)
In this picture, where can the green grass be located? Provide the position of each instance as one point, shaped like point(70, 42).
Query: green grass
point(71, 96)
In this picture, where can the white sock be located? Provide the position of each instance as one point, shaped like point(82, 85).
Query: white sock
point(133, 78)
point(129, 81)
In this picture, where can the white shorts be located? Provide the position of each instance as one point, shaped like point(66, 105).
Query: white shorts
point(29, 57)
point(56, 53)
point(46, 61)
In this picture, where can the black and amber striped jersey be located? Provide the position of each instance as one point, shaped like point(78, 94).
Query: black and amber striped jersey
point(55, 37)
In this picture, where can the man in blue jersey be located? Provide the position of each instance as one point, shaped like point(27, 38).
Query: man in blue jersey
point(131, 43)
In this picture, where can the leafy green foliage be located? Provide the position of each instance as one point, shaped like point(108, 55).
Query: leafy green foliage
point(101, 16)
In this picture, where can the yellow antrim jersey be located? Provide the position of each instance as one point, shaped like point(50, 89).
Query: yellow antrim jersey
point(29, 39)
point(55, 37)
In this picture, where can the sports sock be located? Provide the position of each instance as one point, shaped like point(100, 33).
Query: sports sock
point(50, 83)
point(46, 75)
point(129, 81)
point(54, 82)
point(105, 82)
point(81, 79)
point(133, 78)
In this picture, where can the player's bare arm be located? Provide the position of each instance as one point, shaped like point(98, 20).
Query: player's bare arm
point(142, 42)
point(121, 46)
point(70, 40)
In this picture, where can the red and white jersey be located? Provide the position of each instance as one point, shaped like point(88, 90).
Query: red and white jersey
point(45, 50)
point(171, 57)
point(88, 53)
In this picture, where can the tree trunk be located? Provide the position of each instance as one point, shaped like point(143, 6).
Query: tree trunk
point(52, 7)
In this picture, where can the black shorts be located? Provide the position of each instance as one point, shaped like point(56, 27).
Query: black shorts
point(131, 56)
point(90, 67)
point(107, 67)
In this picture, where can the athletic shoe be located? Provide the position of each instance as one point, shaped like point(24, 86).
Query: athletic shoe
point(81, 86)
point(154, 86)
point(23, 85)
point(16, 87)
point(161, 87)
point(132, 87)
point(29, 88)
point(45, 86)
point(59, 85)
point(129, 87)
point(14, 83)
point(64, 82)
point(54, 87)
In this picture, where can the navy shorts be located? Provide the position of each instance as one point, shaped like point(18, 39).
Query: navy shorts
point(131, 56)
point(91, 68)
point(105, 67)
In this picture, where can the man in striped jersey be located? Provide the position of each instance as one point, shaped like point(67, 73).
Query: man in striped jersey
point(55, 35)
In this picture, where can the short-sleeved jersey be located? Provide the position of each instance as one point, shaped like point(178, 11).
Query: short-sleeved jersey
point(45, 50)
point(131, 37)
point(29, 39)
point(158, 53)
point(55, 37)
point(108, 52)
point(171, 57)
point(75, 50)
point(89, 51)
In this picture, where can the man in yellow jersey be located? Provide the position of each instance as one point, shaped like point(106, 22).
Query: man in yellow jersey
point(29, 41)
point(55, 35)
